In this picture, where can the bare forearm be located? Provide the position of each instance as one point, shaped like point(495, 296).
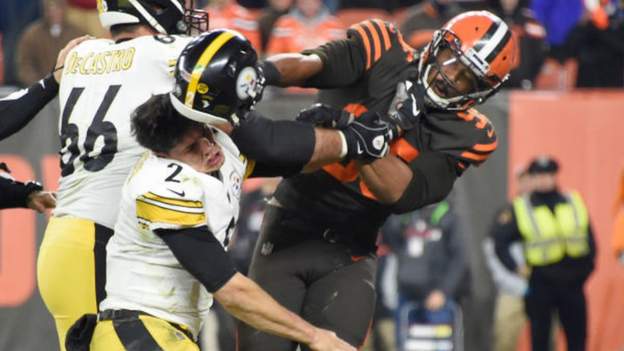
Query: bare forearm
point(386, 178)
point(327, 149)
point(246, 301)
point(296, 68)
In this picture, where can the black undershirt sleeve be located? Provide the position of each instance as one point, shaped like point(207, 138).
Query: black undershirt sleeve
point(277, 147)
point(19, 108)
point(13, 194)
point(433, 177)
point(199, 252)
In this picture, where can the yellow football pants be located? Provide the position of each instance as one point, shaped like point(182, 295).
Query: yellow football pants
point(141, 333)
point(71, 270)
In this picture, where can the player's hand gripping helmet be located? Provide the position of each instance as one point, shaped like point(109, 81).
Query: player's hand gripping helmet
point(467, 61)
point(164, 16)
point(217, 79)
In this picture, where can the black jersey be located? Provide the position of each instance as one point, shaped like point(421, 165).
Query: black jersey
point(19, 108)
point(361, 74)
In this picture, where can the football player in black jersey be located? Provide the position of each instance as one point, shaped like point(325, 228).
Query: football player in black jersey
point(316, 251)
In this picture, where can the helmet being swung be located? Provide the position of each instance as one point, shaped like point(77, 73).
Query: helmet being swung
point(217, 79)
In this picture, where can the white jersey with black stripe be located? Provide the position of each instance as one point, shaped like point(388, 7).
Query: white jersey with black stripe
point(103, 82)
point(160, 193)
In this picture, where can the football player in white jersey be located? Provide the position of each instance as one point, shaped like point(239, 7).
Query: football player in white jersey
point(167, 258)
point(103, 82)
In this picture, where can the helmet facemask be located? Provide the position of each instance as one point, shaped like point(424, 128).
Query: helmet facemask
point(197, 21)
point(445, 54)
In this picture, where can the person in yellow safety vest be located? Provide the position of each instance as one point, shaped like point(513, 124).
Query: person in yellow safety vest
point(559, 250)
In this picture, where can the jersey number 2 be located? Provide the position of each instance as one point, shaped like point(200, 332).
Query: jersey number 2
point(98, 128)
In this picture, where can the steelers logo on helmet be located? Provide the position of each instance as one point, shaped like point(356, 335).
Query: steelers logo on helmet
point(246, 83)
point(216, 77)
point(467, 61)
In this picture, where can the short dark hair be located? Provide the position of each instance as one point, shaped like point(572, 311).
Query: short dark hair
point(157, 126)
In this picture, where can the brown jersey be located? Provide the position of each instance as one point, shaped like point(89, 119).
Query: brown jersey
point(361, 73)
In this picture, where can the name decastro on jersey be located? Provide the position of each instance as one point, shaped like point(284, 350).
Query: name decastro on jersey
point(102, 84)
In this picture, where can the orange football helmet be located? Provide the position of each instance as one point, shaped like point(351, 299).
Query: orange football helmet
point(479, 43)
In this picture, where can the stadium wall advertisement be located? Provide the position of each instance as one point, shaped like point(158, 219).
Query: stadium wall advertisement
point(582, 129)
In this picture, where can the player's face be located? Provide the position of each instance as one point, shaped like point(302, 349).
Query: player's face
point(199, 150)
point(449, 77)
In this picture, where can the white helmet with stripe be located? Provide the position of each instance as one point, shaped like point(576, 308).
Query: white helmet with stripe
point(164, 16)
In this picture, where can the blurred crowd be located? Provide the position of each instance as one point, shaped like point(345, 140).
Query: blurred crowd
point(563, 43)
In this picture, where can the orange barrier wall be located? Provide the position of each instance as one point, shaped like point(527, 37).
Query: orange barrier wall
point(585, 131)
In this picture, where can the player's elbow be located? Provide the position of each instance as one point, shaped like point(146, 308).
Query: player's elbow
point(233, 294)
point(432, 181)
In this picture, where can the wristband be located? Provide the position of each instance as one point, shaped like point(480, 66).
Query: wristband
point(271, 73)
point(345, 148)
point(49, 82)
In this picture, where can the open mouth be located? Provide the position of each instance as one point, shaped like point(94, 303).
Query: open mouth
point(215, 159)
point(441, 88)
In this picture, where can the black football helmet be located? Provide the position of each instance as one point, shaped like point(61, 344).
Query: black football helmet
point(164, 16)
point(216, 78)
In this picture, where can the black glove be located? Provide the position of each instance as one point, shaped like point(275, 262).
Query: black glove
point(368, 137)
point(409, 105)
point(325, 116)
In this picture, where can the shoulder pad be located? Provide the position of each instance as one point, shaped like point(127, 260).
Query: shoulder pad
point(376, 37)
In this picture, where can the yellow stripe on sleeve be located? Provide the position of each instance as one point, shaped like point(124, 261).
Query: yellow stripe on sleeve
point(154, 213)
point(171, 201)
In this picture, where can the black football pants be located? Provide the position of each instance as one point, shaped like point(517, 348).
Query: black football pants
point(319, 280)
point(569, 303)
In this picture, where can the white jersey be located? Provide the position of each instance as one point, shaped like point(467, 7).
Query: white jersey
point(160, 193)
point(102, 84)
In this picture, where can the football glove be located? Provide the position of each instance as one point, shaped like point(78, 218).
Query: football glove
point(408, 106)
point(368, 137)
